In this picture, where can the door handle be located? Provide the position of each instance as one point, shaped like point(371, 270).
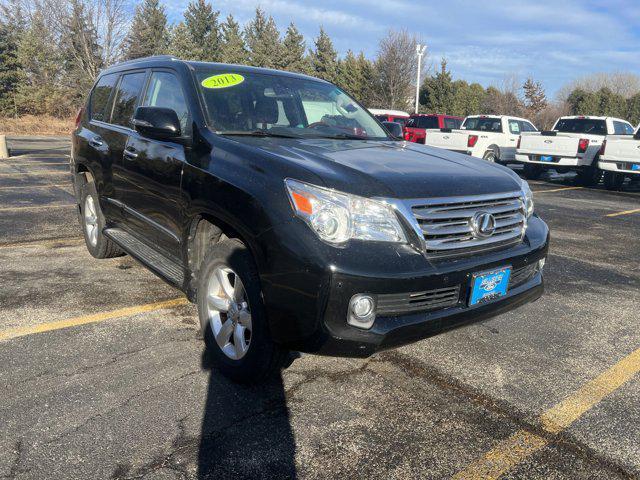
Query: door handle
point(96, 143)
point(130, 152)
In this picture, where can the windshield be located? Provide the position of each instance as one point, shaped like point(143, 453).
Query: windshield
point(423, 122)
point(483, 124)
point(581, 125)
point(249, 103)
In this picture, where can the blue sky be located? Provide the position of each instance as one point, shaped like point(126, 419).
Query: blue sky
point(554, 41)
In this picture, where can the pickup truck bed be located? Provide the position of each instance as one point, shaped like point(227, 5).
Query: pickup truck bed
point(619, 159)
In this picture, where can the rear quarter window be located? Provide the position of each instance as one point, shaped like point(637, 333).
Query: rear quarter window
point(99, 104)
point(126, 99)
point(622, 128)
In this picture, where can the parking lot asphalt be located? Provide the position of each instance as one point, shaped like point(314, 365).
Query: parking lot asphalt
point(103, 374)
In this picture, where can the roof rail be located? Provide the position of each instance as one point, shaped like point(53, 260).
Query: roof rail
point(142, 59)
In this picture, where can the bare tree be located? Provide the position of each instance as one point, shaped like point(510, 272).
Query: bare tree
point(396, 67)
point(626, 84)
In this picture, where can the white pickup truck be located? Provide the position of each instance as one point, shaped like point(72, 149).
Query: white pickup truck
point(492, 137)
point(574, 143)
point(620, 158)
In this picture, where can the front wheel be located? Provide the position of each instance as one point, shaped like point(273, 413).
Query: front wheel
point(613, 180)
point(532, 171)
point(232, 315)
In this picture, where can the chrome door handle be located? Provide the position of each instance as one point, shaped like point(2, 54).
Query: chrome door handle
point(130, 153)
point(96, 143)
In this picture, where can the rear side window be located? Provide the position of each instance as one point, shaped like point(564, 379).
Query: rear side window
point(527, 127)
point(452, 123)
point(582, 125)
point(165, 91)
point(514, 127)
point(622, 128)
point(483, 124)
point(99, 105)
point(126, 98)
point(423, 122)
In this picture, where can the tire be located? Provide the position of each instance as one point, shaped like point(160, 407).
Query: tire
point(92, 222)
point(589, 176)
point(532, 171)
point(244, 350)
point(491, 156)
point(613, 180)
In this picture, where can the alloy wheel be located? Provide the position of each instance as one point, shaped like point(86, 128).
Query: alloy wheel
point(91, 220)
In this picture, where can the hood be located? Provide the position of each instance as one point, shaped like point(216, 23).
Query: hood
point(391, 169)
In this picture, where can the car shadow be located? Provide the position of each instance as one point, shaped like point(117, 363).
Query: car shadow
point(246, 431)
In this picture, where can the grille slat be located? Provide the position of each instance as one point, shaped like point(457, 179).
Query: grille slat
point(398, 303)
point(446, 223)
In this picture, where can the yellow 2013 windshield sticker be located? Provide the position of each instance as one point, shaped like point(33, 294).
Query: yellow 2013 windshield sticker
point(224, 80)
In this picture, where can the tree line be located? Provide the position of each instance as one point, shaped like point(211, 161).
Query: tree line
point(51, 52)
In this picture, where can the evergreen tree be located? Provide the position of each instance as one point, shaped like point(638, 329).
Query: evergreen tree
point(350, 77)
point(11, 30)
point(263, 40)
point(492, 101)
point(180, 42)
point(612, 104)
point(201, 22)
point(461, 97)
point(369, 89)
point(475, 100)
point(233, 48)
point(149, 33)
point(535, 99)
point(633, 109)
point(582, 102)
point(437, 92)
point(38, 92)
point(324, 59)
point(293, 52)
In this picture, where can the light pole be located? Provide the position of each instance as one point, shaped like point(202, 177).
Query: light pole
point(420, 49)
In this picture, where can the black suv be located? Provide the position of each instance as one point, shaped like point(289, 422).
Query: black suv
point(283, 209)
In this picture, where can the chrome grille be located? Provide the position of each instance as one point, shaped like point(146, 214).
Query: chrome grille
point(446, 223)
point(401, 303)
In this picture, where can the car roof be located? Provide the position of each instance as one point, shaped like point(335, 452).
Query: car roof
point(435, 115)
point(501, 117)
point(384, 111)
point(159, 61)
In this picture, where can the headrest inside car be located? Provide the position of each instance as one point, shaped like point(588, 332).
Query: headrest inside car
point(266, 110)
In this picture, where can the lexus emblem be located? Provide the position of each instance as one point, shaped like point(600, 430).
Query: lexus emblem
point(483, 224)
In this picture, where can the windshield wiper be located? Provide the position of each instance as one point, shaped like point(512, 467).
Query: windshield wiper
point(259, 133)
point(348, 136)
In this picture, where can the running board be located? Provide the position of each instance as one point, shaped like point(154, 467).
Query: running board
point(156, 261)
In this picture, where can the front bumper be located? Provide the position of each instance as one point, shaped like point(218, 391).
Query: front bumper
point(308, 309)
point(619, 166)
point(557, 161)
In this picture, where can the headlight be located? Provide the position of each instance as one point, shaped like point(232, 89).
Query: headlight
point(528, 198)
point(337, 217)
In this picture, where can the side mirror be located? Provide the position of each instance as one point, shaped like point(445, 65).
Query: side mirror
point(394, 128)
point(157, 122)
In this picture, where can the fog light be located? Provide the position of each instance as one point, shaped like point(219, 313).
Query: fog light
point(362, 311)
point(541, 263)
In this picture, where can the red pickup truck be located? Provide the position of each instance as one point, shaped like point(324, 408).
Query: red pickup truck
point(416, 126)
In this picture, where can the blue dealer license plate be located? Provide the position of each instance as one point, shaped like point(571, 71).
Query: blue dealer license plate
point(546, 158)
point(635, 167)
point(487, 286)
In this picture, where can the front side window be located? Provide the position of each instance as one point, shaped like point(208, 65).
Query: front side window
point(270, 104)
point(165, 91)
point(581, 125)
point(99, 105)
point(483, 124)
point(127, 98)
point(622, 128)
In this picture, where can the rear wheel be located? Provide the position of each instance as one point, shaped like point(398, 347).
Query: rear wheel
point(613, 180)
point(589, 176)
point(532, 171)
point(232, 315)
point(92, 221)
point(490, 156)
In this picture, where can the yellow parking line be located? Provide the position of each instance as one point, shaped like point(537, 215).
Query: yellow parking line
point(626, 212)
point(97, 317)
point(522, 444)
point(38, 207)
point(558, 189)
